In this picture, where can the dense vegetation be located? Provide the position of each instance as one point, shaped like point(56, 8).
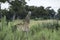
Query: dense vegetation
point(39, 30)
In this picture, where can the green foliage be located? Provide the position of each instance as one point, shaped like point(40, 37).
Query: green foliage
point(59, 11)
point(3, 1)
point(37, 32)
point(20, 11)
point(17, 8)
point(58, 15)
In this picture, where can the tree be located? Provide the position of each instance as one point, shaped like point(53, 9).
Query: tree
point(41, 12)
point(58, 15)
point(51, 12)
point(59, 10)
point(17, 7)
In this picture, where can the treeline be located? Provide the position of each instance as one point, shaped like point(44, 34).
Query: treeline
point(19, 9)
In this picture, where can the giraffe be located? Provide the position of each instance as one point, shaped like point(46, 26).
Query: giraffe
point(26, 22)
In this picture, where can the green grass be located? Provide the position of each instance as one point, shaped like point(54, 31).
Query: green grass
point(39, 30)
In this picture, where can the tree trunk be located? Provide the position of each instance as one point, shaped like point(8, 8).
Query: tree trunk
point(0, 6)
point(14, 16)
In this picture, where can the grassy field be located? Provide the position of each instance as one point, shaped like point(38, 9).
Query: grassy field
point(41, 22)
point(39, 30)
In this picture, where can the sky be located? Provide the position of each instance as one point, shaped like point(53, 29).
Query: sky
point(5, 5)
point(55, 4)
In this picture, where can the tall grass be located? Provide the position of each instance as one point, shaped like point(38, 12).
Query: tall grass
point(38, 31)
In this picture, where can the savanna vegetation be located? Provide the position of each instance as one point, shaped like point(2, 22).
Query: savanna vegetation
point(44, 23)
point(39, 30)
